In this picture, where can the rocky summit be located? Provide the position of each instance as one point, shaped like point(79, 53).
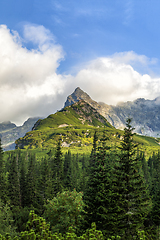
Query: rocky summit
point(145, 114)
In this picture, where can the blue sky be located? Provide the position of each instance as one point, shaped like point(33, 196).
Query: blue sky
point(108, 48)
point(88, 29)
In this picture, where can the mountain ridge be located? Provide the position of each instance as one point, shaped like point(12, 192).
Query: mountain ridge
point(144, 113)
point(9, 132)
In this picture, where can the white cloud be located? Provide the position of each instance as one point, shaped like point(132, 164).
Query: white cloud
point(39, 35)
point(28, 75)
point(113, 80)
point(30, 85)
point(133, 59)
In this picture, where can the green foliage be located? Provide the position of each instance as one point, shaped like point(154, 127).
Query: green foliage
point(64, 210)
point(67, 171)
point(112, 180)
point(58, 169)
point(13, 182)
point(98, 194)
point(131, 199)
point(31, 182)
point(155, 191)
point(6, 220)
point(93, 233)
point(20, 216)
point(36, 228)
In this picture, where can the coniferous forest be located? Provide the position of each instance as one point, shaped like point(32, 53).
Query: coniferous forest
point(108, 194)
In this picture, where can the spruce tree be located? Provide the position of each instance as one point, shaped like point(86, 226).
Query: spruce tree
point(58, 169)
point(98, 192)
point(130, 194)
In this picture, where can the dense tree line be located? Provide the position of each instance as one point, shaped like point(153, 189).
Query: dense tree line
point(118, 190)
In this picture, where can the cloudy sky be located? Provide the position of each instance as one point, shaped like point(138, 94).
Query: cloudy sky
point(110, 49)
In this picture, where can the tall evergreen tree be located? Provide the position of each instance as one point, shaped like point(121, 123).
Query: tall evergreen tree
point(130, 194)
point(58, 169)
point(98, 191)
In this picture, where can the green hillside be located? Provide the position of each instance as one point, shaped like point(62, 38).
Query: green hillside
point(75, 125)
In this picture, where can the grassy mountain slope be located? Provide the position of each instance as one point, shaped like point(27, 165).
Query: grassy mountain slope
point(75, 125)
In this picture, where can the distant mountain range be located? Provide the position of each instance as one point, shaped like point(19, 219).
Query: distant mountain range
point(145, 116)
point(9, 132)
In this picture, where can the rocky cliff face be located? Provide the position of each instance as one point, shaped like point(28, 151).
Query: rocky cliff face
point(145, 114)
point(9, 132)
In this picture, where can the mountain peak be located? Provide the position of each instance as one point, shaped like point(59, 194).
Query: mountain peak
point(78, 89)
point(77, 95)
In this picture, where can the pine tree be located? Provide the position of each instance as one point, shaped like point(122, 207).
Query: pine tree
point(130, 194)
point(58, 169)
point(98, 192)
